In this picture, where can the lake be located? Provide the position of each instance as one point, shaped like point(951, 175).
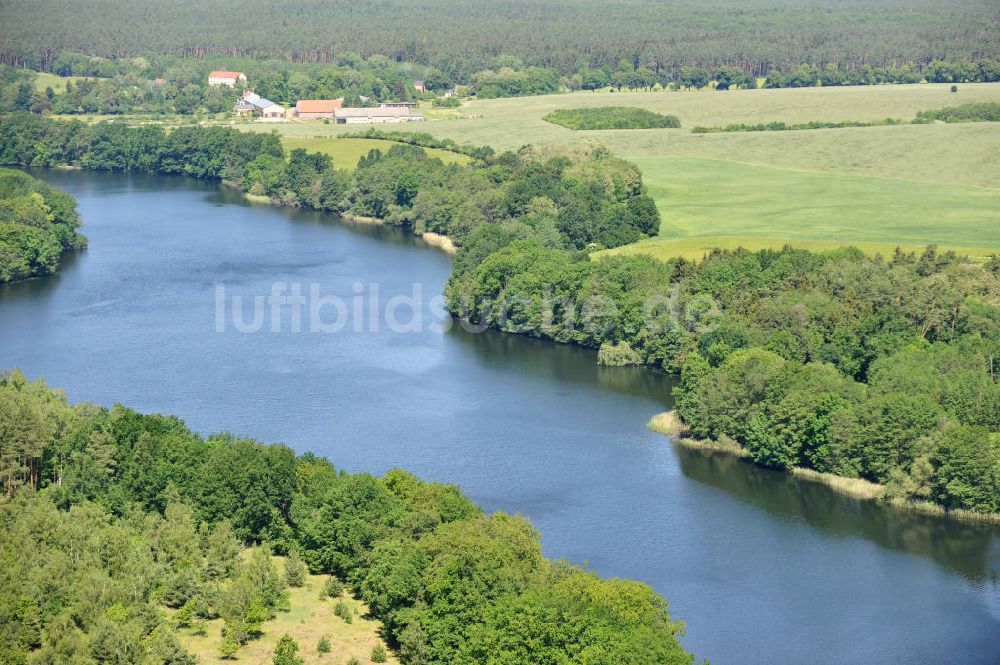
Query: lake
point(763, 567)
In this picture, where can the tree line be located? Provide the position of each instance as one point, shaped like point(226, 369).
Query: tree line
point(161, 84)
point(171, 85)
point(835, 361)
point(611, 117)
point(130, 531)
point(571, 198)
point(969, 112)
point(38, 225)
point(755, 37)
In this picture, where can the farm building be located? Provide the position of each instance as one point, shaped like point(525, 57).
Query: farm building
point(244, 107)
point(271, 111)
point(419, 86)
point(397, 105)
point(220, 77)
point(351, 116)
point(317, 108)
point(256, 105)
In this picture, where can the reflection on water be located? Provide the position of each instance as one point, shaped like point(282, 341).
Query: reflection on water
point(544, 359)
point(381, 232)
point(966, 548)
point(36, 289)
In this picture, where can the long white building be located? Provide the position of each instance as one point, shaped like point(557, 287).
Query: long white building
point(350, 116)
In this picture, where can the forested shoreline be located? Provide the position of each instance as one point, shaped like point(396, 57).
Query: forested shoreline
point(120, 531)
point(38, 225)
point(882, 368)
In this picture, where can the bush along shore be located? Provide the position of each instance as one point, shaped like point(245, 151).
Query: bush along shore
point(883, 369)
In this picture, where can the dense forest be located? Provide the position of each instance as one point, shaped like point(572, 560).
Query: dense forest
point(460, 39)
point(118, 530)
point(883, 369)
point(37, 226)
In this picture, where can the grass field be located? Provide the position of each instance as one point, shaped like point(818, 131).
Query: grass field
point(728, 204)
point(510, 123)
point(309, 619)
point(57, 83)
point(347, 152)
point(906, 185)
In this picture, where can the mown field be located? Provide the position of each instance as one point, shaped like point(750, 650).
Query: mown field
point(874, 186)
point(309, 618)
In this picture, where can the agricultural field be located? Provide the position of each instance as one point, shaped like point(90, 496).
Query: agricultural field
point(710, 203)
point(308, 619)
point(877, 187)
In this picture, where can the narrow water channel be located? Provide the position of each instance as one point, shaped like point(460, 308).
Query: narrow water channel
point(764, 568)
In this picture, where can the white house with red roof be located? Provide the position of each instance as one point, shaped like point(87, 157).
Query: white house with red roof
point(222, 77)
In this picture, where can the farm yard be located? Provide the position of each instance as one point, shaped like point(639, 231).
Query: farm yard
point(876, 187)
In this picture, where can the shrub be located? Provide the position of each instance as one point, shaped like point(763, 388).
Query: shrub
point(333, 587)
point(343, 610)
point(954, 88)
point(618, 355)
point(228, 647)
point(323, 646)
point(184, 616)
point(446, 103)
point(295, 569)
point(353, 661)
point(378, 654)
point(286, 652)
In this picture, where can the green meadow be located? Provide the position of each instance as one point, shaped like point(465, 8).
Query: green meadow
point(45, 80)
point(716, 203)
point(877, 187)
